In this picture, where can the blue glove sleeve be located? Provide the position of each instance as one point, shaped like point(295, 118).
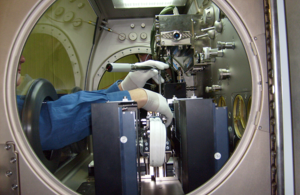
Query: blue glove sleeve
point(68, 119)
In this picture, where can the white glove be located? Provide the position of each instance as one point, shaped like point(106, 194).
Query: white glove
point(138, 79)
point(157, 103)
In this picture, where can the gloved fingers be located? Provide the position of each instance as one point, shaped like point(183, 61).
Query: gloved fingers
point(152, 103)
point(154, 75)
point(169, 116)
point(155, 64)
point(130, 82)
point(157, 80)
point(157, 103)
point(165, 109)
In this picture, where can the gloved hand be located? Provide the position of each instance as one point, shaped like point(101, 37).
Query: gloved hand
point(138, 79)
point(157, 103)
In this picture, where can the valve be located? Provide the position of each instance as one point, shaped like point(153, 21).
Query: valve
point(225, 45)
point(218, 26)
point(210, 34)
point(209, 52)
point(213, 88)
point(224, 74)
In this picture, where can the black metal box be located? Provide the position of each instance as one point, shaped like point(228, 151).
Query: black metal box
point(171, 89)
point(114, 147)
point(195, 123)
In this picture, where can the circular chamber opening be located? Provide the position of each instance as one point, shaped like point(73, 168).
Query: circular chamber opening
point(46, 57)
point(195, 65)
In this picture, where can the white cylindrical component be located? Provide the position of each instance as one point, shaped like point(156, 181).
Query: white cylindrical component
point(208, 89)
point(206, 51)
point(118, 67)
point(157, 142)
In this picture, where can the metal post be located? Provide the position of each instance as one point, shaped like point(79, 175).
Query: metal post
point(281, 90)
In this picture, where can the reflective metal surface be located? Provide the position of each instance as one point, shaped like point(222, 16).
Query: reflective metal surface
point(248, 171)
point(9, 171)
point(291, 10)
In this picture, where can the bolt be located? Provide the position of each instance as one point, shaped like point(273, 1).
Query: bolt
point(273, 137)
point(13, 160)
point(14, 187)
point(217, 156)
point(260, 127)
point(273, 122)
point(8, 173)
point(8, 147)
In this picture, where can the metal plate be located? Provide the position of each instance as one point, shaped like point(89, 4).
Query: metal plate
point(9, 178)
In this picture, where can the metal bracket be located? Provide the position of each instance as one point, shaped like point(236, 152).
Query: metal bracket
point(9, 173)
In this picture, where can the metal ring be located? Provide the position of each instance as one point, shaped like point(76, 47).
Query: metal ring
point(39, 91)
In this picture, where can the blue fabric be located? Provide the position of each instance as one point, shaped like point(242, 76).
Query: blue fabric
point(68, 119)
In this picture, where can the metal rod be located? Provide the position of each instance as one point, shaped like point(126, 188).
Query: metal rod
point(159, 80)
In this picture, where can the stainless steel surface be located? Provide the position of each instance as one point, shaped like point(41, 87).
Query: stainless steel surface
point(107, 9)
point(233, 183)
point(277, 99)
point(123, 4)
point(17, 21)
point(292, 15)
point(250, 8)
point(115, 49)
point(167, 185)
point(273, 146)
point(248, 170)
point(224, 74)
point(9, 170)
point(282, 119)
